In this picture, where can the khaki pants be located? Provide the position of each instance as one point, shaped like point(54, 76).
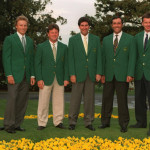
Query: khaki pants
point(57, 104)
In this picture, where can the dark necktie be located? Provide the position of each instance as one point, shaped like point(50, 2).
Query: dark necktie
point(115, 44)
point(145, 42)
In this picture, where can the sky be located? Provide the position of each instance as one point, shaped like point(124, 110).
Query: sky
point(71, 10)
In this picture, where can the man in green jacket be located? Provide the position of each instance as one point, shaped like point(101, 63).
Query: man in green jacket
point(119, 58)
point(18, 59)
point(85, 67)
point(51, 70)
point(142, 73)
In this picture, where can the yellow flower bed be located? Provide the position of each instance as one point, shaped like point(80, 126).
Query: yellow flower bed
point(73, 143)
point(81, 115)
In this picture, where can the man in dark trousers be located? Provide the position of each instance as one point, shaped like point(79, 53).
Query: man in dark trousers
point(142, 73)
point(18, 58)
point(85, 67)
point(119, 58)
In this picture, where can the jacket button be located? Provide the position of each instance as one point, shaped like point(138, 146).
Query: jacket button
point(143, 64)
point(143, 54)
point(114, 59)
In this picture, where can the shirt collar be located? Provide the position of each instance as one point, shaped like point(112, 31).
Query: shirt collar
point(84, 36)
point(20, 35)
point(119, 34)
point(147, 33)
point(54, 43)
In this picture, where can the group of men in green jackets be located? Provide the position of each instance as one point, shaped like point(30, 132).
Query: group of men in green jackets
point(120, 59)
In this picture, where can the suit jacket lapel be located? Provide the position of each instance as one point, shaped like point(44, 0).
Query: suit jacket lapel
point(80, 43)
point(122, 40)
point(140, 41)
point(58, 51)
point(110, 42)
point(148, 45)
point(90, 41)
point(17, 40)
point(27, 45)
point(49, 50)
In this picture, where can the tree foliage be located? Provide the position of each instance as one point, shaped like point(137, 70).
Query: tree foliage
point(39, 20)
point(34, 10)
point(130, 10)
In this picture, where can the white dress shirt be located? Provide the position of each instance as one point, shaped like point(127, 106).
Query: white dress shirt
point(145, 36)
point(119, 36)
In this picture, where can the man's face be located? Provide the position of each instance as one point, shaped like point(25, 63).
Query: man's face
point(22, 27)
point(146, 24)
point(53, 35)
point(117, 25)
point(84, 28)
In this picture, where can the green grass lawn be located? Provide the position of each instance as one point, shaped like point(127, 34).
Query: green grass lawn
point(50, 131)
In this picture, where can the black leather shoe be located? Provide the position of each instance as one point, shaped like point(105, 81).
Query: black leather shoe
point(90, 127)
point(103, 126)
point(123, 129)
point(137, 126)
point(61, 126)
point(2, 128)
point(10, 130)
point(20, 129)
point(41, 127)
point(71, 127)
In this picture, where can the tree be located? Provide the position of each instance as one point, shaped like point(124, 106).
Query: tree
point(34, 10)
point(39, 20)
point(130, 10)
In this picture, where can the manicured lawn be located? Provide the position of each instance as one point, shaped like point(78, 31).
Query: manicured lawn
point(32, 133)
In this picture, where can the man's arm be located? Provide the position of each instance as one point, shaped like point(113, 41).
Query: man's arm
point(99, 61)
point(6, 56)
point(71, 61)
point(132, 61)
point(37, 63)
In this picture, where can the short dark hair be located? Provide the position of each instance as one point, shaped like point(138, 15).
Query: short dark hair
point(146, 15)
point(83, 19)
point(116, 17)
point(53, 26)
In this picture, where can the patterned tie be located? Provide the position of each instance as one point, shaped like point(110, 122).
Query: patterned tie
point(145, 42)
point(54, 51)
point(85, 44)
point(23, 43)
point(115, 44)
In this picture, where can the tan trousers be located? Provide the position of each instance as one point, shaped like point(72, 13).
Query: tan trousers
point(57, 104)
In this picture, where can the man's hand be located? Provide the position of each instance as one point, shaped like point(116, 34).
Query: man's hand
point(98, 77)
point(32, 81)
point(40, 84)
point(129, 79)
point(11, 80)
point(103, 79)
point(66, 83)
point(73, 79)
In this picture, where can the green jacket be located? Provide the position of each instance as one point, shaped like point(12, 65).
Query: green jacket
point(45, 66)
point(122, 64)
point(79, 63)
point(15, 61)
point(143, 58)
